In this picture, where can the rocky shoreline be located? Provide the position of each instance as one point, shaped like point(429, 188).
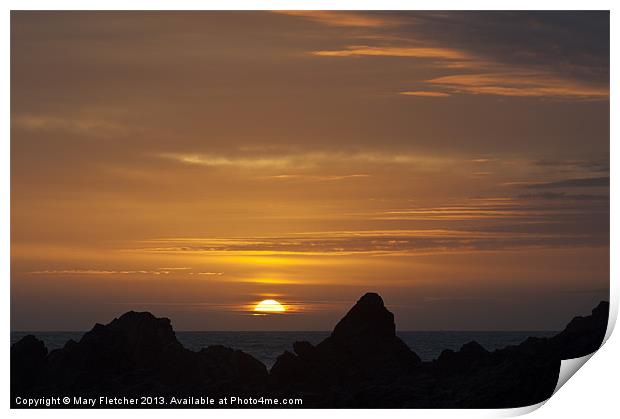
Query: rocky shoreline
point(361, 364)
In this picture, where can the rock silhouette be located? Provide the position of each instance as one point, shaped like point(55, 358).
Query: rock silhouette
point(363, 345)
point(361, 364)
point(136, 354)
point(583, 335)
point(28, 358)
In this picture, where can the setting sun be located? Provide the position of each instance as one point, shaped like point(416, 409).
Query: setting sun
point(269, 306)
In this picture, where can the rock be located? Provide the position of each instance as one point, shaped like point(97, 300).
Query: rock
point(305, 349)
point(358, 366)
point(235, 363)
point(467, 358)
point(583, 335)
point(288, 368)
point(135, 354)
point(367, 336)
point(368, 320)
point(28, 357)
point(362, 346)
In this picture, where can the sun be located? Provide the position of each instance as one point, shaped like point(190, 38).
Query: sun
point(269, 306)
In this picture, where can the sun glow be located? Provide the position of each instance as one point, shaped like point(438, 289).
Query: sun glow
point(269, 306)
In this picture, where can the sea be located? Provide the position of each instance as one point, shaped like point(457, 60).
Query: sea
point(267, 346)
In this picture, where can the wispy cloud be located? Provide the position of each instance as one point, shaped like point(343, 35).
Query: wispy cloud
point(131, 272)
point(305, 160)
point(223, 161)
point(411, 52)
point(314, 178)
point(491, 216)
point(592, 166)
point(78, 123)
point(425, 93)
point(207, 273)
point(594, 182)
point(481, 74)
point(484, 160)
point(343, 18)
point(520, 84)
point(484, 77)
point(564, 196)
point(400, 243)
point(99, 272)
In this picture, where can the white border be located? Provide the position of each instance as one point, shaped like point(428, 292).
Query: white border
point(592, 393)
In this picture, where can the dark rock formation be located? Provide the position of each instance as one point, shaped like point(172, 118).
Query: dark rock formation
point(583, 335)
point(28, 358)
point(362, 346)
point(364, 364)
point(136, 354)
point(361, 364)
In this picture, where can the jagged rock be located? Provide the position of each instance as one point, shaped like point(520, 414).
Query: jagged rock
point(28, 357)
point(135, 354)
point(583, 335)
point(471, 377)
point(235, 362)
point(465, 359)
point(288, 368)
point(304, 349)
point(368, 320)
point(362, 346)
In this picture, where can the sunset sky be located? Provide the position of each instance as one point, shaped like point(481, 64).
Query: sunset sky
point(194, 163)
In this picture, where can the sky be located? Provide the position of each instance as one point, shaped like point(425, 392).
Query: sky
point(193, 164)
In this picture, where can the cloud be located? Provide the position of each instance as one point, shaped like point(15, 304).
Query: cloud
point(368, 243)
point(527, 71)
point(564, 196)
point(519, 85)
point(98, 272)
point(575, 44)
point(114, 272)
point(387, 51)
point(493, 224)
point(484, 160)
point(343, 18)
point(595, 182)
point(423, 93)
point(306, 160)
point(79, 124)
point(315, 178)
point(223, 161)
point(487, 77)
point(599, 165)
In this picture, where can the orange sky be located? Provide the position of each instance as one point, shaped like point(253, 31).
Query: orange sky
point(193, 164)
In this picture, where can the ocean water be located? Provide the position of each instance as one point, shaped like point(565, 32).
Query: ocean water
point(266, 346)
